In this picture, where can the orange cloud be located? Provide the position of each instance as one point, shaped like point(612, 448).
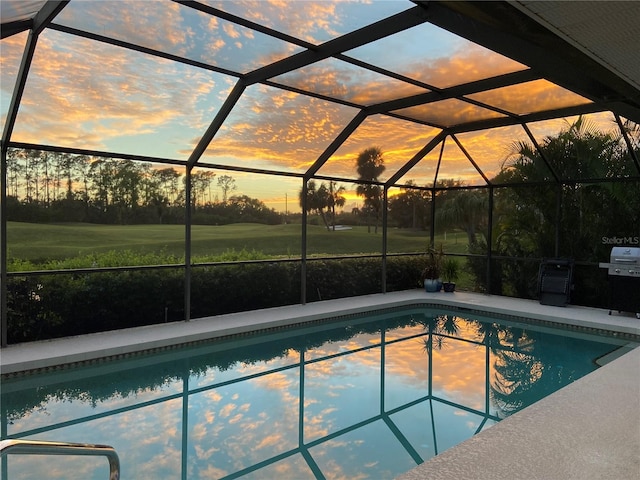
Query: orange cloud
point(231, 30)
point(469, 63)
point(275, 130)
point(399, 141)
point(269, 441)
point(342, 80)
point(87, 94)
point(529, 97)
point(298, 19)
point(227, 410)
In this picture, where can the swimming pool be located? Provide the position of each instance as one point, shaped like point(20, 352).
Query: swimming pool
point(364, 397)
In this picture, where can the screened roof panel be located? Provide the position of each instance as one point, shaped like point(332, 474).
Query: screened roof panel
point(455, 166)
point(530, 97)
point(603, 121)
point(398, 140)
point(491, 149)
point(448, 113)
point(342, 80)
point(429, 54)
point(273, 129)
point(11, 49)
point(311, 21)
point(85, 94)
point(185, 32)
point(423, 173)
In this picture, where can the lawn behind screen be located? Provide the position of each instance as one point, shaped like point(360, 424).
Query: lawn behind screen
point(38, 243)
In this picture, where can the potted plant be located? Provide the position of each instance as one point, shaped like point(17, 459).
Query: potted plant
point(430, 276)
point(450, 269)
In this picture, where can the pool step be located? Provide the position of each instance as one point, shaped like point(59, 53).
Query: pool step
point(617, 353)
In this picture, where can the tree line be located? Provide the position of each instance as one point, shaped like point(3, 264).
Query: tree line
point(53, 186)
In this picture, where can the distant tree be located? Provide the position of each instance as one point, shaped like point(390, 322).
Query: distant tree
point(227, 184)
point(83, 169)
point(318, 199)
point(246, 209)
point(14, 172)
point(370, 165)
point(200, 187)
point(336, 199)
point(66, 166)
point(46, 160)
point(409, 208)
point(167, 179)
point(31, 175)
point(463, 209)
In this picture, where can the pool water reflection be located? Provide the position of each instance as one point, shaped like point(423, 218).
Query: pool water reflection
point(367, 397)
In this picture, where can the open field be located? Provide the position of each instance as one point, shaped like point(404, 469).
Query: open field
point(42, 242)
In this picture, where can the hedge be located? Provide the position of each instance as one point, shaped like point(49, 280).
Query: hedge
point(65, 304)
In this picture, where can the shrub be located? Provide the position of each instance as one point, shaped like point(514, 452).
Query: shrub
point(65, 304)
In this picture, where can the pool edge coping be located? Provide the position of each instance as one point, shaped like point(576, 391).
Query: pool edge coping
point(591, 431)
point(72, 350)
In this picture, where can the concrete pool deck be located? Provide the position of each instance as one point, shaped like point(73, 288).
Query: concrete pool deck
point(44, 354)
point(591, 428)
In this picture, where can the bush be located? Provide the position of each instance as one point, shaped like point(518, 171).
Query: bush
point(64, 304)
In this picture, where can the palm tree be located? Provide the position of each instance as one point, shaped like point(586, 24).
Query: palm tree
point(318, 199)
point(336, 199)
point(466, 210)
point(528, 216)
point(370, 165)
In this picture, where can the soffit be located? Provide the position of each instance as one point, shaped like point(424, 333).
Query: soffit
point(606, 31)
point(17, 15)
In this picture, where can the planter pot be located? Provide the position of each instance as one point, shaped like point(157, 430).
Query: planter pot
point(449, 286)
point(432, 284)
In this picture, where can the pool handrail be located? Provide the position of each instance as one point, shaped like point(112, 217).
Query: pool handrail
point(36, 447)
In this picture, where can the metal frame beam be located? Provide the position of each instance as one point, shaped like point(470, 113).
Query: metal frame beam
point(375, 31)
point(217, 122)
point(416, 158)
point(502, 28)
point(39, 22)
point(337, 142)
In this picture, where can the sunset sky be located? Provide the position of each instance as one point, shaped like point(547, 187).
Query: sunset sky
point(92, 95)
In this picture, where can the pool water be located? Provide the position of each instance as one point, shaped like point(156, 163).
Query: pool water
point(364, 397)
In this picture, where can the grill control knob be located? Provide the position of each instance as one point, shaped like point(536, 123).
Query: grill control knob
point(617, 270)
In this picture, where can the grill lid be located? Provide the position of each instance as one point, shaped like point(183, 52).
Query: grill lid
point(624, 262)
point(625, 255)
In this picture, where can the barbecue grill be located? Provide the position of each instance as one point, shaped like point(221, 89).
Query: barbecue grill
point(624, 279)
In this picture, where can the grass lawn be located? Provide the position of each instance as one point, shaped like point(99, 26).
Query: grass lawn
point(41, 242)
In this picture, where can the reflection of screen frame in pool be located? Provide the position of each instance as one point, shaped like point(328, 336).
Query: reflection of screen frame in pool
point(421, 332)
